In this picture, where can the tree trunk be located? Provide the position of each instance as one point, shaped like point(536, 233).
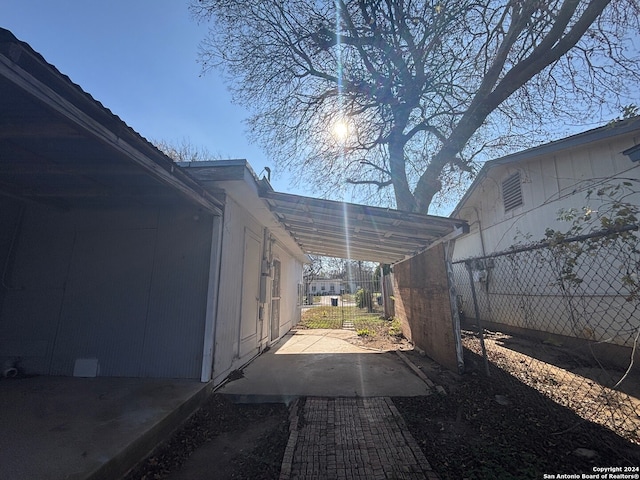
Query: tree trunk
point(404, 198)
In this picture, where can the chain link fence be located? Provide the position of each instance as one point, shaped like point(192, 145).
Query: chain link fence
point(562, 317)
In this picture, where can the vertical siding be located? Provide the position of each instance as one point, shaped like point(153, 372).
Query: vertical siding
point(121, 285)
point(228, 327)
point(174, 332)
point(250, 329)
point(226, 342)
point(105, 302)
point(551, 183)
point(564, 178)
point(290, 277)
point(34, 289)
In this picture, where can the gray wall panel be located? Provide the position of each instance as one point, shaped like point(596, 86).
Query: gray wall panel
point(34, 284)
point(9, 215)
point(28, 328)
point(174, 332)
point(44, 244)
point(126, 286)
point(106, 301)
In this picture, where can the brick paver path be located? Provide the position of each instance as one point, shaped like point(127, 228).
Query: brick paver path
point(352, 438)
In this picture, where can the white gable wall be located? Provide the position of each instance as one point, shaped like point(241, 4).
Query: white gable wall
point(549, 183)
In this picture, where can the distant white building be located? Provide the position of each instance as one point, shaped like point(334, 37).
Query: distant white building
point(333, 286)
point(326, 287)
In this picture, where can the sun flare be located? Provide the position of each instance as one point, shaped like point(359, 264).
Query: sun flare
point(340, 130)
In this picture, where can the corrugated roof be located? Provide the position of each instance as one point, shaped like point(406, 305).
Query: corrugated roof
point(359, 232)
point(59, 146)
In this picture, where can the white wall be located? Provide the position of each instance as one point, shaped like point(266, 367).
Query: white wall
point(291, 278)
point(243, 321)
point(549, 183)
point(323, 286)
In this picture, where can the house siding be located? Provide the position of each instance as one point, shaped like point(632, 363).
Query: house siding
point(96, 284)
point(549, 183)
point(228, 327)
point(291, 277)
point(241, 330)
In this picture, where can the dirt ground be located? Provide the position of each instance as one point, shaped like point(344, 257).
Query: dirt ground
point(380, 339)
point(498, 428)
point(238, 441)
point(474, 428)
point(567, 377)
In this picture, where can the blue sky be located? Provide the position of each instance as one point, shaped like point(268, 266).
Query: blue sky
point(138, 58)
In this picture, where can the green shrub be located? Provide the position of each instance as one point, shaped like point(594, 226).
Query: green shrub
point(364, 299)
point(365, 332)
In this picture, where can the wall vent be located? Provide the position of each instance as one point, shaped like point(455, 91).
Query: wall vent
point(512, 192)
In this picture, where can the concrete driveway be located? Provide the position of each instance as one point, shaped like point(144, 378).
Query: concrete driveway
point(323, 363)
point(65, 428)
point(55, 428)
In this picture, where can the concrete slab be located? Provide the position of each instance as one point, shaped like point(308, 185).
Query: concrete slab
point(54, 428)
point(323, 363)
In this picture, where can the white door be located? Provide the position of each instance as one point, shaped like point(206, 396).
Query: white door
point(248, 338)
point(275, 301)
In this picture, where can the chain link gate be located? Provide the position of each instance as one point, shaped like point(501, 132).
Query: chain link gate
point(351, 304)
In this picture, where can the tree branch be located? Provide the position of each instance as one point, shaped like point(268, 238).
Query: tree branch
point(379, 184)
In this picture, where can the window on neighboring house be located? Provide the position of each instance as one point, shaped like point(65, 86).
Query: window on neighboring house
point(313, 288)
point(323, 288)
point(332, 288)
point(512, 192)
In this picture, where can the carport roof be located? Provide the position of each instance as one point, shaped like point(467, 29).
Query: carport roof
point(338, 229)
point(359, 232)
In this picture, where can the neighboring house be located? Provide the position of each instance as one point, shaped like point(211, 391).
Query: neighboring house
point(514, 199)
point(333, 286)
point(323, 286)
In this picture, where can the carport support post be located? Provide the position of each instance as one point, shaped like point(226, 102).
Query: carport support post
point(477, 315)
point(387, 291)
point(212, 300)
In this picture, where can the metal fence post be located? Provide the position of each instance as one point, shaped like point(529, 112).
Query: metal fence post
point(477, 315)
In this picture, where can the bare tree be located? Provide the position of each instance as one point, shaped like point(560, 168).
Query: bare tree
point(183, 151)
point(407, 94)
point(312, 270)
